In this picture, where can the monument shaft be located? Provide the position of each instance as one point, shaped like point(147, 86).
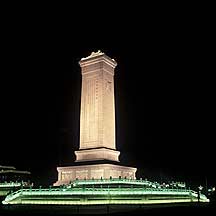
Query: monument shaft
point(97, 121)
point(97, 117)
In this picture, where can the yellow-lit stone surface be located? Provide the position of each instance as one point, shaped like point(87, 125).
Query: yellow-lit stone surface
point(97, 154)
point(97, 116)
point(105, 171)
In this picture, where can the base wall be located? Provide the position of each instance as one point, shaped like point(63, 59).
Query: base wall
point(105, 171)
point(97, 154)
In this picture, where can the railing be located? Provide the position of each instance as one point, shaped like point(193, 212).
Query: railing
point(112, 181)
point(100, 191)
point(89, 189)
point(73, 191)
point(10, 184)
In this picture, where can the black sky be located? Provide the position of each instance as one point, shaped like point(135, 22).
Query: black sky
point(164, 86)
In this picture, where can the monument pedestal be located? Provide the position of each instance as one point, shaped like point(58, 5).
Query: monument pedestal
point(97, 154)
point(93, 171)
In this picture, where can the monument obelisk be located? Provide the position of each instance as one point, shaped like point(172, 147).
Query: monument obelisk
point(97, 156)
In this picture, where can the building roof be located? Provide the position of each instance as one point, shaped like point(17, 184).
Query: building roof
point(11, 169)
point(7, 167)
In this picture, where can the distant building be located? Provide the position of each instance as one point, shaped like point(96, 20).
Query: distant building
point(12, 179)
point(11, 174)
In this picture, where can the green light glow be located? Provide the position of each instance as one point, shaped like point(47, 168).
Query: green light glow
point(96, 202)
point(84, 192)
point(86, 196)
point(112, 181)
point(10, 184)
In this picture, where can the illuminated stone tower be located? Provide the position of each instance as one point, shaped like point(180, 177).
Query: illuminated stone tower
point(97, 120)
point(97, 156)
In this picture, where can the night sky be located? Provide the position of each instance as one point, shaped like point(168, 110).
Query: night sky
point(164, 95)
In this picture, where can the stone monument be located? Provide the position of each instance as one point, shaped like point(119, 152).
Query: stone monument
point(97, 156)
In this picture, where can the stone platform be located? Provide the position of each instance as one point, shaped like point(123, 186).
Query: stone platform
point(97, 154)
point(93, 171)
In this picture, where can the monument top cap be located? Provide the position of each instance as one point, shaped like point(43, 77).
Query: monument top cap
point(99, 54)
point(93, 54)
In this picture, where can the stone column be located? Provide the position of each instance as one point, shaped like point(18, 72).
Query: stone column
point(97, 116)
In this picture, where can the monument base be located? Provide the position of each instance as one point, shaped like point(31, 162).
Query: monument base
point(97, 154)
point(96, 171)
